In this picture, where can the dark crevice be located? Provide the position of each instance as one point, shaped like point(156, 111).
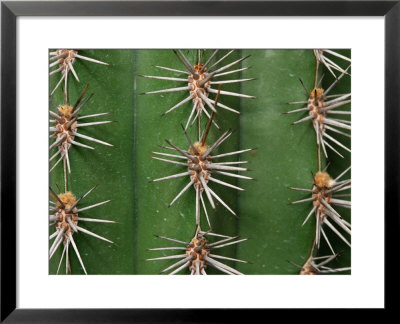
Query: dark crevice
point(135, 196)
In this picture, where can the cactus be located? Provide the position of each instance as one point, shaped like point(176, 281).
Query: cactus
point(285, 156)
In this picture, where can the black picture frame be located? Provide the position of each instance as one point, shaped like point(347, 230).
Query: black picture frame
point(10, 10)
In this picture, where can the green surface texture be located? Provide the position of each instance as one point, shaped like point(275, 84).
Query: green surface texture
point(285, 155)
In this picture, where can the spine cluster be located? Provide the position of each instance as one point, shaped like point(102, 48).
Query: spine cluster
point(326, 193)
point(67, 128)
point(201, 160)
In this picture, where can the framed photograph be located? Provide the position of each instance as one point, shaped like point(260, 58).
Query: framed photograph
point(196, 138)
